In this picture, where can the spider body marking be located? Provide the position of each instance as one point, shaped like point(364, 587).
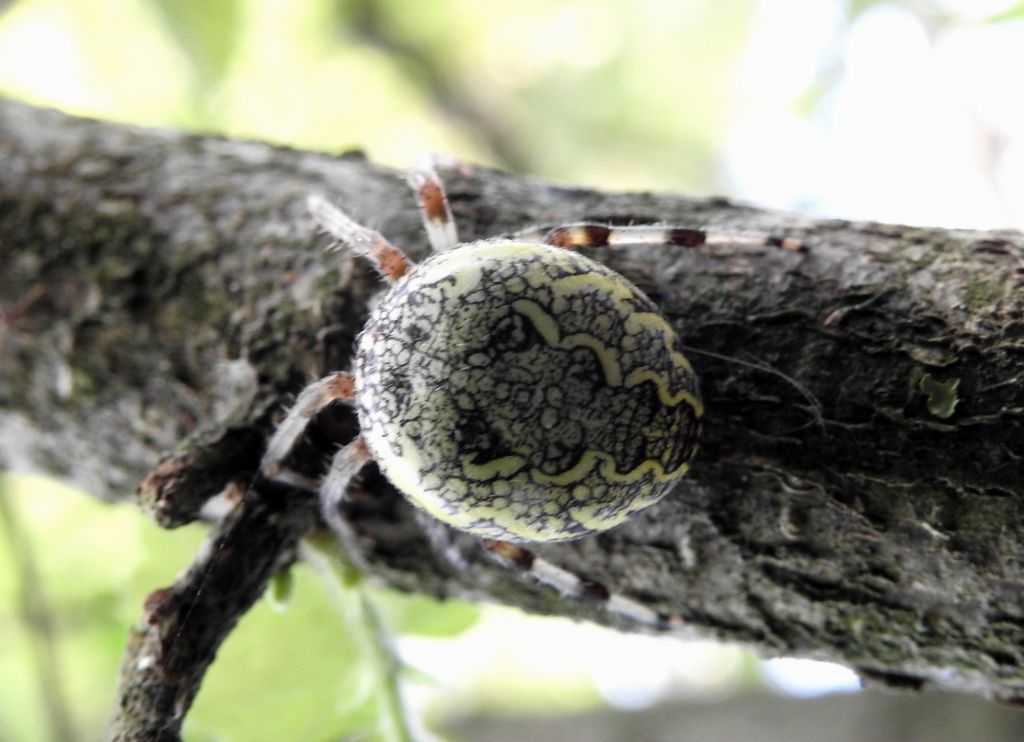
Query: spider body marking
point(514, 388)
point(524, 392)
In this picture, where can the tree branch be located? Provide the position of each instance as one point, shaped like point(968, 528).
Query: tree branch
point(163, 296)
point(184, 625)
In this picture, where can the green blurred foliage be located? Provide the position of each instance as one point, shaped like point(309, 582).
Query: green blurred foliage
point(314, 670)
point(620, 93)
point(1013, 13)
point(612, 93)
point(206, 31)
point(72, 575)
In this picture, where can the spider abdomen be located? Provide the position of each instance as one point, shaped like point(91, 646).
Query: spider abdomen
point(525, 392)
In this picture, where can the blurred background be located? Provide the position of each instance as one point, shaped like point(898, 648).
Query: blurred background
point(885, 111)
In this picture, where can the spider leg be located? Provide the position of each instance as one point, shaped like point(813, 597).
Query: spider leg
point(345, 464)
point(312, 399)
point(389, 260)
point(433, 203)
point(572, 585)
point(587, 234)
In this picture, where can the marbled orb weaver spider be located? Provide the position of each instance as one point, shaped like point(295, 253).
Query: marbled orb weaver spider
point(512, 388)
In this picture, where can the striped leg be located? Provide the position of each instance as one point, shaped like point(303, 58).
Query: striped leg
point(339, 386)
point(574, 586)
point(391, 262)
point(433, 203)
point(344, 466)
point(586, 234)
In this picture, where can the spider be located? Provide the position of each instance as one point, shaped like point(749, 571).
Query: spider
point(512, 388)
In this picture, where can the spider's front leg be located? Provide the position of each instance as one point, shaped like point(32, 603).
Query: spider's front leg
point(339, 386)
point(388, 259)
point(392, 264)
point(346, 462)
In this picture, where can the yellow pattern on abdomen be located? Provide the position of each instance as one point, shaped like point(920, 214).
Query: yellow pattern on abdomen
point(525, 392)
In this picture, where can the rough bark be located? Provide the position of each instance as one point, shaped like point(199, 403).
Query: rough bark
point(163, 296)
